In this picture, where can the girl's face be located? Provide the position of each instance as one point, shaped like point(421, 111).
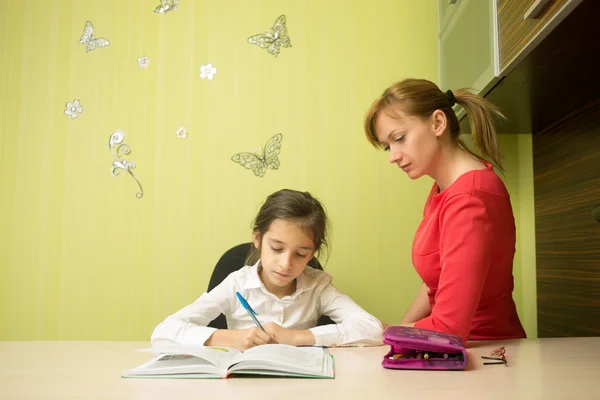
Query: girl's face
point(413, 143)
point(285, 249)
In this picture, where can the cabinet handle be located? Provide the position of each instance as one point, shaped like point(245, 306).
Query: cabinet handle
point(452, 1)
point(596, 213)
point(534, 11)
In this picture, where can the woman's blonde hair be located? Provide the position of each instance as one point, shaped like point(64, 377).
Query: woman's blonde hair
point(420, 98)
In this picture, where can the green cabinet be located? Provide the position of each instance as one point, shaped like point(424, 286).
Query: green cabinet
point(468, 55)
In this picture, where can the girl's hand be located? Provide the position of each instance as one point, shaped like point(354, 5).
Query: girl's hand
point(240, 340)
point(410, 325)
point(290, 336)
point(252, 337)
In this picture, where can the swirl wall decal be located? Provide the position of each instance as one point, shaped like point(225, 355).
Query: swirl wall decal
point(119, 150)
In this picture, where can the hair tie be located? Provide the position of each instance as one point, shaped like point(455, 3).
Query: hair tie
point(451, 98)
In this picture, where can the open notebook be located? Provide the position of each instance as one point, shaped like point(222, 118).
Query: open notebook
point(220, 362)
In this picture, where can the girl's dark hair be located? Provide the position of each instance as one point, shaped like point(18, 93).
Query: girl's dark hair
point(298, 207)
point(420, 98)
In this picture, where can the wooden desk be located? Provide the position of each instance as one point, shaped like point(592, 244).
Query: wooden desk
point(538, 369)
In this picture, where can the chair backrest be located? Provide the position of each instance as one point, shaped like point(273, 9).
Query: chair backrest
point(234, 259)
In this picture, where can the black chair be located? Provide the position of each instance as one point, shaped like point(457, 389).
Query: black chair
point(234, 259)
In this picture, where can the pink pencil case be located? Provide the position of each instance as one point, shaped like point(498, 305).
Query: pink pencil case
point(414, 348)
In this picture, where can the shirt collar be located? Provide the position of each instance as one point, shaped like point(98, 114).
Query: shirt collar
point(304, 282)
point(253, 281)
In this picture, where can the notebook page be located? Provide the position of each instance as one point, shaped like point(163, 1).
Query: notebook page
point(289, 358)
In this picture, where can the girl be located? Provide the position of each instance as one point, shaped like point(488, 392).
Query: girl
point(463, 249)
point(289, 230)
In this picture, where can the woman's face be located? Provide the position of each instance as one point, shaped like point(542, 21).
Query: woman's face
point(413, 143)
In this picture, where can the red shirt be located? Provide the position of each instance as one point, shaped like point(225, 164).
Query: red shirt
point(463, 251)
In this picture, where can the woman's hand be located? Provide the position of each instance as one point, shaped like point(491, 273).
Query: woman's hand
point(290, 336)
point(419, 309)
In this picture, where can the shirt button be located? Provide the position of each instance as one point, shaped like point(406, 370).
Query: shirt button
point(281, 314)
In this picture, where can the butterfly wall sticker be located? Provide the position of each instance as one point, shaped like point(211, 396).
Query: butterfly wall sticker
point(91, 42)
point(166, 6)
point(275, 38)
point(261, 160)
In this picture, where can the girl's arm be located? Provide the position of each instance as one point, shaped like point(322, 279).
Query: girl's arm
point(188, 326)
point(419, 309)
point(240, 339)
point(353, 324)
point(293, 337)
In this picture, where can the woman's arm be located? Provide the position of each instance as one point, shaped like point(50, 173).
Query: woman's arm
point(466, 240)
point(419, 309)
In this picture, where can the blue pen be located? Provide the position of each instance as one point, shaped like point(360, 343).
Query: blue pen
point(251, 312)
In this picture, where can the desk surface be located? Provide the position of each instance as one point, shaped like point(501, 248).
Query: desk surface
point(566, 368)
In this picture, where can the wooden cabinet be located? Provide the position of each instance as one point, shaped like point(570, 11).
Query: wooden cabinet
point(523, 24)
point(554, 93)
point(566, 159)
point(481, 41)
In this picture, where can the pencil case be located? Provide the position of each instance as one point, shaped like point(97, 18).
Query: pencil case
point(415, 348)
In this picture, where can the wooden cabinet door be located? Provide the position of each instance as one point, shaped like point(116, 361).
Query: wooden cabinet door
point(566, 159)
point(517, 36)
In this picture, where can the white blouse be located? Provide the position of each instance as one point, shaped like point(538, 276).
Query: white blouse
point(315, 296)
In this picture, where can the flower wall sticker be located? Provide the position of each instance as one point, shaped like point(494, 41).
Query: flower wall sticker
point(166, 6)
point(274, 39)
point(207, 71)
point(259, 162)
point(91, 42)
point(144, 62)
point(73, 109)
point(181, 133)
point(119, 150)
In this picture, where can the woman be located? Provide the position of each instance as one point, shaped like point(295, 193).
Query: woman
point(464, 247)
